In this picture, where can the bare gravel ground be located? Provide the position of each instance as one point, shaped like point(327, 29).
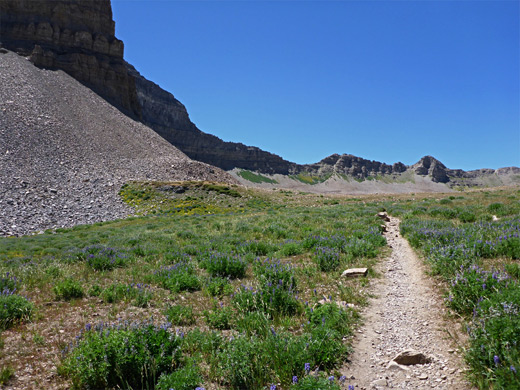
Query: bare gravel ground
point(406, 313)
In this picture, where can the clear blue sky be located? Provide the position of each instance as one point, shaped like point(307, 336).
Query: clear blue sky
point(384, 80)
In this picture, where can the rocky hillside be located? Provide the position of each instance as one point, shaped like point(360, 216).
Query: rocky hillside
point(75, 36)
point(65, 152)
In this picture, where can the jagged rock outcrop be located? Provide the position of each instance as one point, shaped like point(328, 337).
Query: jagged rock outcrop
point(432, 167)
point(347, 164)
point(75, 36)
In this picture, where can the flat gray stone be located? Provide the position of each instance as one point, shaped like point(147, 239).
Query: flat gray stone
point(353, 272)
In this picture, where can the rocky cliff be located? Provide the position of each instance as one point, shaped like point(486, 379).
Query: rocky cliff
point(353, 166)
point(428, 166)
point(75, 36)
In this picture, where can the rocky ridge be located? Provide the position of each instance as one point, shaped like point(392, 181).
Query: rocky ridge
point(65, 152)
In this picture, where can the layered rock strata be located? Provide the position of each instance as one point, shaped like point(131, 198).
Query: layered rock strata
point(75, 36)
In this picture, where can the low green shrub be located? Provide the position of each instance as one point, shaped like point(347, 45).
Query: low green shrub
point(332, 316)
point(313, 382)
point(220, 317)
point(13, 308)
point(139, 294)
point(257, 248)
point(208, 344)
point(326, 348)
point(471, 285)
point(225, 265)
point(241, 364)
point(180, 315)
point(271, 299)
point(513, 270)
point(9, 282)
point(218, 287)
point(256, 323)
point(68, 289)
point(124, 355)
point(494, 351)
point(95, 290)
point(509, 247)
point(291, 248)
point(6, 373)
point(178, 277)
point(327, 259)
point(184, 378)
point(102, 258)
point(275, 272)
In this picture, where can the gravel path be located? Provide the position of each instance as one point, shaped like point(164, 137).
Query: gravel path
point(407, 313)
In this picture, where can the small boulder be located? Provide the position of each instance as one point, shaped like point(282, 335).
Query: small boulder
point(411, 357)
point(354, 272)
point(379, 383)
point(383, 216)
point(393, 366)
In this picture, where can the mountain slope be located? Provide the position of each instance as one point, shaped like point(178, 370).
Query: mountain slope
point(65, 152)
point(169, 118)
point(78, 37)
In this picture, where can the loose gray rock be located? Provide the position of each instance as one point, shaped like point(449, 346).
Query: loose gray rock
point(65, 152)
point(411, 357)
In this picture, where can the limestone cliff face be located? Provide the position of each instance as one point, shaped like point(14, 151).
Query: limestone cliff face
point(357, 167)
point(77, 36)
point(168, 117)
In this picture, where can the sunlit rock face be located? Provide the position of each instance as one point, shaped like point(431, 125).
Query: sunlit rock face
point(77, 36)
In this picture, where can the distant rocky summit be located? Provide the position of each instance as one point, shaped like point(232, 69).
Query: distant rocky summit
point(352, 166)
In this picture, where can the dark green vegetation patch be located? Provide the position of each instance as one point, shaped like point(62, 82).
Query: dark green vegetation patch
point(255, 177)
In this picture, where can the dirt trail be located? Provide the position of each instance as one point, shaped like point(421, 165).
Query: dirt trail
point(407, 313)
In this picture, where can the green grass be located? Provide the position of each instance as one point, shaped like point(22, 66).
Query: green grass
point(308, 178)
point(236, 284)
point(255, 177)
